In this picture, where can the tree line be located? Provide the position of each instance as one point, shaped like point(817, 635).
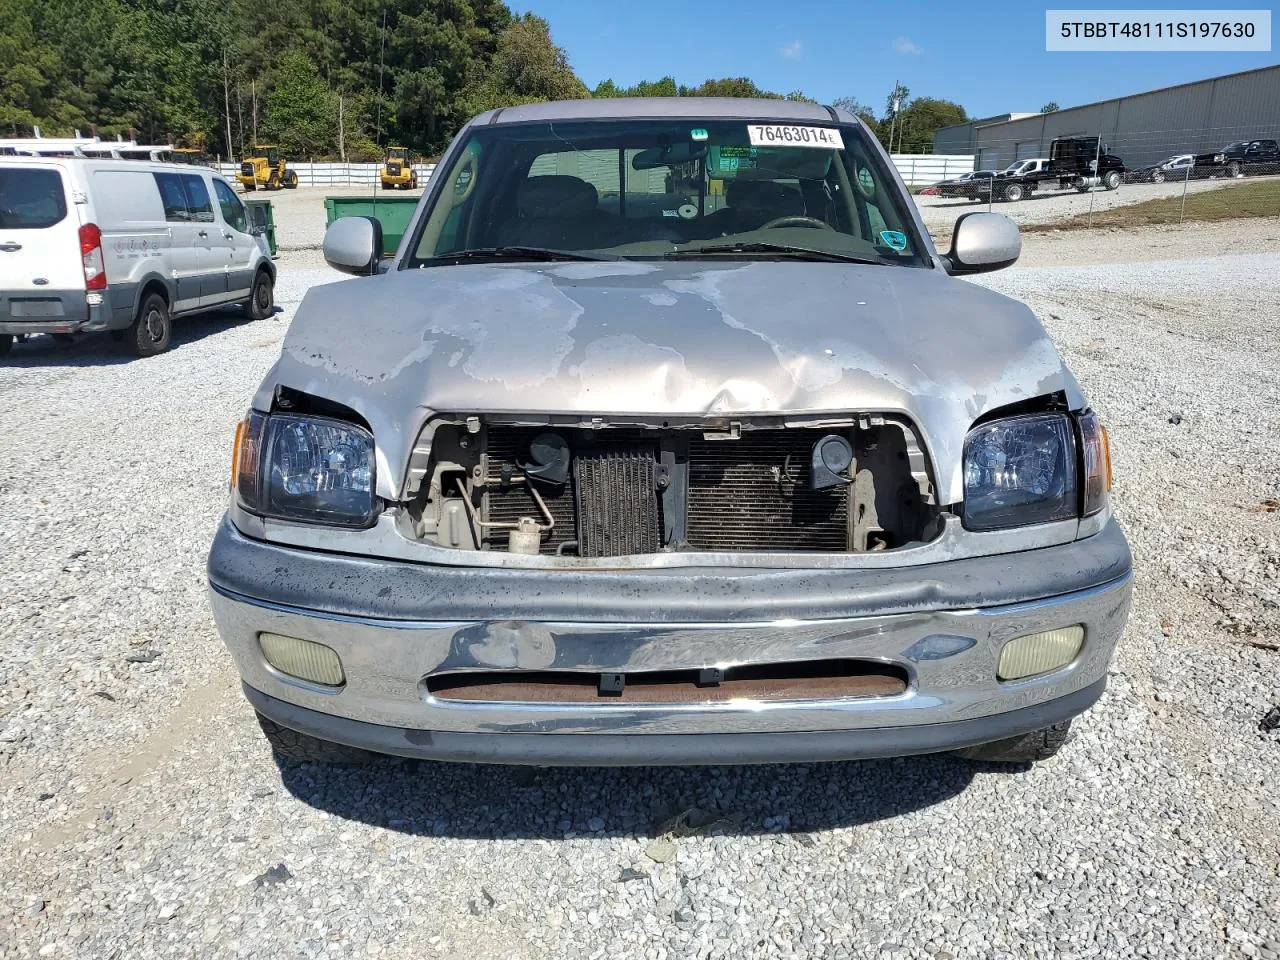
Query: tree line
point(320, 78)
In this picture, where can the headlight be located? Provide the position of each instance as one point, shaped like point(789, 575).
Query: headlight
point(311, 469)
point(1220, 158)
point(1020, 471)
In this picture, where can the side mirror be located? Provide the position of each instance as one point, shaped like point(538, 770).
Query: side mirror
point(981, 242)
point(354, 245)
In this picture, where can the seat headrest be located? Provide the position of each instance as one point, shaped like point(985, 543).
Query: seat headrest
point(779, 199)
point(554, 197)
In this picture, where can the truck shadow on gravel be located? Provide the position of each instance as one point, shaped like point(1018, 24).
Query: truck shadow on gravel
point(493, 802)
point(100, 350)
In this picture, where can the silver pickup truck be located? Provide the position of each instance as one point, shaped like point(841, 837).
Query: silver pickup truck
point(668, 437)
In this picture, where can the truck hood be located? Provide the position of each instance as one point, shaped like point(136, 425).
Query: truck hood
point(692, 338)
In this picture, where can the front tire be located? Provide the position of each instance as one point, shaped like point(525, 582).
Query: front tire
point(152, 327)
point(1013, 192)
point(297, 747)
point(1112, 180)
point(262, 302)
point(291, 180)
point(1158, 177)
point(1235, 171)
point(1027, 748)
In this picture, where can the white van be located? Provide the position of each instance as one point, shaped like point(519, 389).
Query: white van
point(122, 245)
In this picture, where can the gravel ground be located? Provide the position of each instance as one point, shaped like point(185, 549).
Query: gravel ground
point(141, 814)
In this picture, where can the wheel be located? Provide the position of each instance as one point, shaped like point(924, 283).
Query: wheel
point(413, 182)
point(288, 744)
point(1027, 748)
point(262, 301)
point(6, 344)
point(290, 180)
point(1111, 180)
point(152, 327)
point(250, 187)
point(1157, 177)
point(1013, 192)
point(1234, 171)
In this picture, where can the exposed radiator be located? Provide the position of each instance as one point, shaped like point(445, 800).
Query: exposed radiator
point(753, 494)
point(508, 448)
point(616, 493)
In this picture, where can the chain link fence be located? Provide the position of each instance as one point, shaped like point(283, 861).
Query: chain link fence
point(1101, 179)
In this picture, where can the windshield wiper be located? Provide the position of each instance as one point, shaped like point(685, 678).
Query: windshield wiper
point(784, 249)
point(533, 254)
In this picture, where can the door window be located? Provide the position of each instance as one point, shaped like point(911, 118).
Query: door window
point(185, 198)
point(233, 214)
point(30, 199)
point(198, 198)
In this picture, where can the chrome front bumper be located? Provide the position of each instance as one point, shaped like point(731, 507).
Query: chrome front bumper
point(953, 698)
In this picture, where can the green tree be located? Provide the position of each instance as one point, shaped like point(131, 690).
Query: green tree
point(299, 108)
point(527, 68)
point(1050, 107)
point(918, 121)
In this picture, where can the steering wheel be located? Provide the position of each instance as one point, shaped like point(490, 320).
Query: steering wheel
point(796, 220)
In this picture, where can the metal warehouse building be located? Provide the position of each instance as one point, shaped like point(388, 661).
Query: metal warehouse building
point(1142, 129)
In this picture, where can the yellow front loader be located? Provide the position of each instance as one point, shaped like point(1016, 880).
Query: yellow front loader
point(266, 169)
point(397, 170)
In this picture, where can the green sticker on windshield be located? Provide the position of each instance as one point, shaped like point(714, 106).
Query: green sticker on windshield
point(697, 133)
point(894, 239)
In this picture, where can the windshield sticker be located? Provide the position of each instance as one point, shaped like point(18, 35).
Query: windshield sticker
point(894, 239)
point(786, 135)
point(687, 211)
point(697, 133)
point(866, 183)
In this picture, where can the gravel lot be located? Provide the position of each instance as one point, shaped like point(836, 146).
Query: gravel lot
point(141, 814)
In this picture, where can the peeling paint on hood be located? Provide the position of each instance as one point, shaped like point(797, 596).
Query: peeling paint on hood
point(667, 339)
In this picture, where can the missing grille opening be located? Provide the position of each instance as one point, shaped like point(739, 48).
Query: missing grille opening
point(808, 680)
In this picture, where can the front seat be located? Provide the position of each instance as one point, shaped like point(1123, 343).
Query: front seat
point(559, 212)
point(750, 204)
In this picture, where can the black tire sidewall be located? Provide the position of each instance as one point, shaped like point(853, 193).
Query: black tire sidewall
point(140, 338)
point(252, 308)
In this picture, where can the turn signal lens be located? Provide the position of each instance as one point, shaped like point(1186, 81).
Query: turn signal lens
point(245, 457)
point(1038, 653)
point(303, 659)
point(1096, 448)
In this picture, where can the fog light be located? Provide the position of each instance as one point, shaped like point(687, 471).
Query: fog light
point(1040, 652)
point(302, 659)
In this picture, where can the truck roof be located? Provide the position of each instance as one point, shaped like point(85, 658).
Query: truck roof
point(729, 108)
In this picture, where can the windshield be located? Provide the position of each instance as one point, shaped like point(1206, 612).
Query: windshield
point(646, 189)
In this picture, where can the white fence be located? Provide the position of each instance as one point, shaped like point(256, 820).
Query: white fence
point(334, 174)
point(918, 169)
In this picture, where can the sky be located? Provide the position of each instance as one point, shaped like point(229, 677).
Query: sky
point(989, 57)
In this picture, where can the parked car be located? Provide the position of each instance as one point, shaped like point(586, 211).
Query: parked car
point(744, 482)
point(124, 246)
point(1022, 167)
point(1179, 167)
point(1241, 158)
point(972, 186)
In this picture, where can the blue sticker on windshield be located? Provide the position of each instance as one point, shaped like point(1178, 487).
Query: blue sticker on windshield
point(894, 238)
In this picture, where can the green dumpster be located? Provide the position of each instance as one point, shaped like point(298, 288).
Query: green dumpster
point(394, 213)
point(262, 217)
